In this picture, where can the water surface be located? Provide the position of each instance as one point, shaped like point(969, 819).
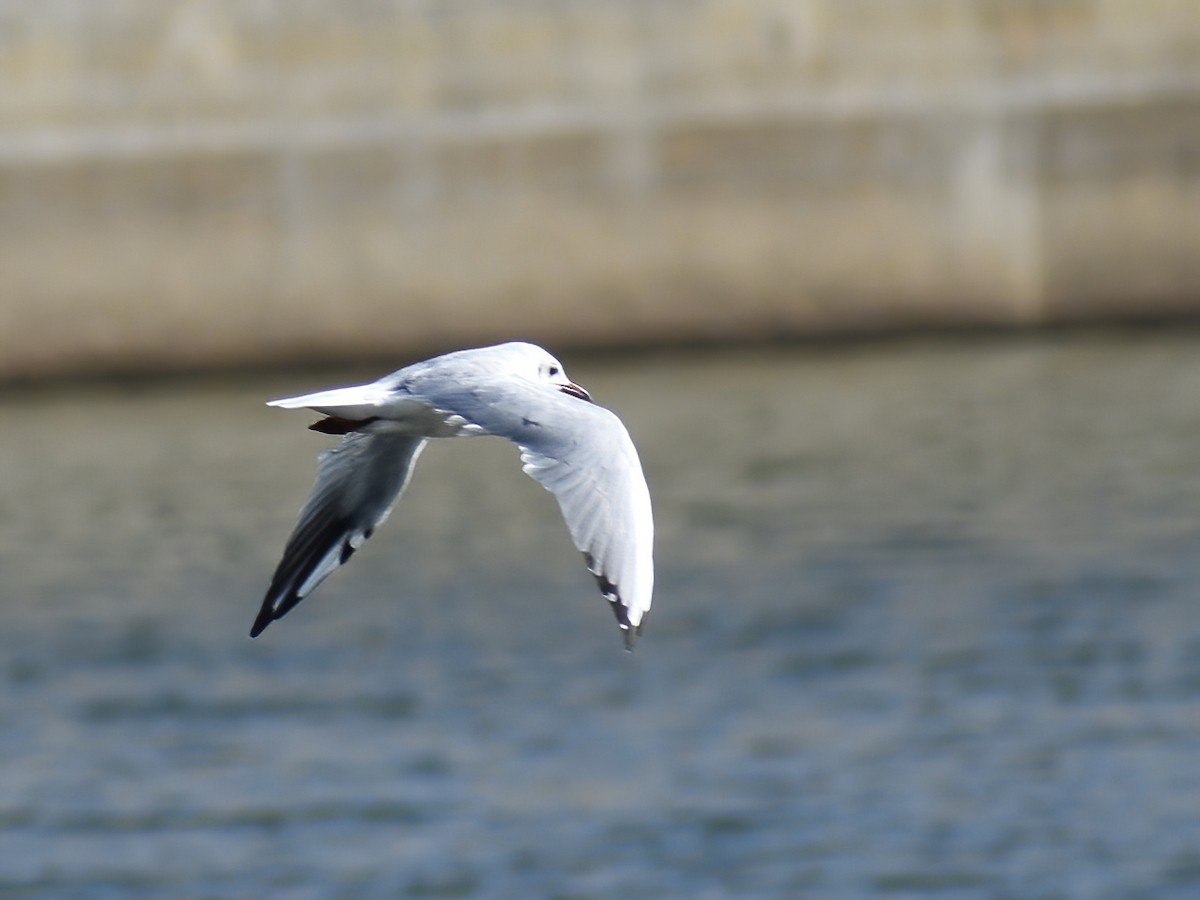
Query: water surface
point(925, 624)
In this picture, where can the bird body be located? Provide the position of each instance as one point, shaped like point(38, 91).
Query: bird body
point(576, 449)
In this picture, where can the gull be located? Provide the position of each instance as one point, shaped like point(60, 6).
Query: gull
point(573, 447)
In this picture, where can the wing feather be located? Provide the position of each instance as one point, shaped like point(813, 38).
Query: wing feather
point(602, 493)
point(582, 453)
point(358, 483)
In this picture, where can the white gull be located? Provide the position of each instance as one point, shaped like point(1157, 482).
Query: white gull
point(574, 448)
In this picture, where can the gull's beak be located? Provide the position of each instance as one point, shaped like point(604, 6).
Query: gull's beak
point(575, 391)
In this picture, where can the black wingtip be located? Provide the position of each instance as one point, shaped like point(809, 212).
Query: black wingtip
point(265, 617)
point(629, 631)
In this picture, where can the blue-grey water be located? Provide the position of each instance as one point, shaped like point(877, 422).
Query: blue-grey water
point(926, 624)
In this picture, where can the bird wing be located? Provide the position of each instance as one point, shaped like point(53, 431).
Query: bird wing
point(358, 483)
point(582, 453)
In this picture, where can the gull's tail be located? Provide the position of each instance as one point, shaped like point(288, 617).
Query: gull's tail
point(358, 402)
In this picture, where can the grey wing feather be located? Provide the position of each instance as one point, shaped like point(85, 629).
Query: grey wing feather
point(358, 483)
point(594, 472)
point(581, 453)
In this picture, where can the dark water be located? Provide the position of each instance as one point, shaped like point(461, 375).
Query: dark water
point(926, 625)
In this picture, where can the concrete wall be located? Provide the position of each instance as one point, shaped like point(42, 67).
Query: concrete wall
point(207, 183)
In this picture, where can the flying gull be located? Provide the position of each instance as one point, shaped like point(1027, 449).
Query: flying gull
point(573, 447)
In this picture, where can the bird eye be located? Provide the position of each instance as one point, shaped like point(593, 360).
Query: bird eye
point(553, 370)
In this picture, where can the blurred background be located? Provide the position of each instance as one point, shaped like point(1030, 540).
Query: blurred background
point(897, 299)
point(195, 184)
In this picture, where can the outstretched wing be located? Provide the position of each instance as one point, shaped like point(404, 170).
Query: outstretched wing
point(358, 483)
point(582, 454)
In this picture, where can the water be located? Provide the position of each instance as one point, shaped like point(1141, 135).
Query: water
point(925, 625)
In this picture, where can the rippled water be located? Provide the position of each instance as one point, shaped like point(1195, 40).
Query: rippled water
point(926, 623)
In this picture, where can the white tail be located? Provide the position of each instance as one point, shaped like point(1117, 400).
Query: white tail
point(358, 402)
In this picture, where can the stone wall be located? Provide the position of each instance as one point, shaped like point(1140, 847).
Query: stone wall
point(201, 184)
